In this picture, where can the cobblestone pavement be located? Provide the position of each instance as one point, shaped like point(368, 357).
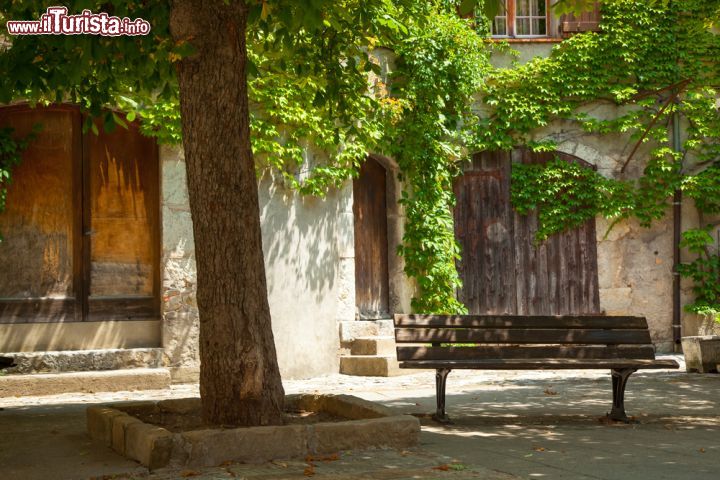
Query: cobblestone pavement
point(508, 425)
point(359, 465)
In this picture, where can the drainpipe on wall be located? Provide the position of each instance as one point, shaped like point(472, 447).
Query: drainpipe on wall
point(677, 230)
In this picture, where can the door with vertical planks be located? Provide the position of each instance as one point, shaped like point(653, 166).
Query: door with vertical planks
point(503, 270)
point(40, 227)
point(121, 222)
point(82, 224)
point(371, 241)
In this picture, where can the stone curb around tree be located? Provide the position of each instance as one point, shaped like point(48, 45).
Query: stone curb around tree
point(369, 425)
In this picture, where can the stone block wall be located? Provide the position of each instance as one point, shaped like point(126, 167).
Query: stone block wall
point(309, 261)
point(180, 326)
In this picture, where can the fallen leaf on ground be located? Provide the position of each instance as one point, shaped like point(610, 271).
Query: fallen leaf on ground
point(443, 468)
point(226, 463)
point(702, 450)
point(189, 473)
point(539, 449)
point(547, 391)
point(309, 471)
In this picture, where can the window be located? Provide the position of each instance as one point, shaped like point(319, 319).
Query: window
point(521, 18)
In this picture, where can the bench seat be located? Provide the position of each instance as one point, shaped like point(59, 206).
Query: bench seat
point(540, 364)
point(520, 342)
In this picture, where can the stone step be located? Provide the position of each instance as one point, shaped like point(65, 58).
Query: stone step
point(373, 346)
point(370, 366)
point(350, 330)
point(85, 360)
point(89, 382)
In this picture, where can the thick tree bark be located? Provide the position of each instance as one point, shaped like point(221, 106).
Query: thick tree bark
point(239, 377)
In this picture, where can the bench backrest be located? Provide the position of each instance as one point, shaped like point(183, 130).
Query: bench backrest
point(478, 337)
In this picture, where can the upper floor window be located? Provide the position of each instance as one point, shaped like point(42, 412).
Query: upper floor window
point(521, 18)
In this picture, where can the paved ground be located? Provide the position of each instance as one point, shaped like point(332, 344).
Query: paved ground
point(508, 425)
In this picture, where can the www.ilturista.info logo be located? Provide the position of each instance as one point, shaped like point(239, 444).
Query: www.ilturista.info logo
point(56, 21)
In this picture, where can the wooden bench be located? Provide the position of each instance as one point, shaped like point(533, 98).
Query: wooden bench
point(448, 342)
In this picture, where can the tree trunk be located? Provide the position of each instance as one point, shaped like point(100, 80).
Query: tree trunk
point(239, 377)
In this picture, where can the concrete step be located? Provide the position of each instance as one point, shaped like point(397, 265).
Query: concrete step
point(370, 366)
point(350, 330)
point(90, 382)
point(373, 346)
point(85, 360)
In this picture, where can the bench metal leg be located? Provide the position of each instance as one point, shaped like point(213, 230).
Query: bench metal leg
point(440, 380)
point(619, 381)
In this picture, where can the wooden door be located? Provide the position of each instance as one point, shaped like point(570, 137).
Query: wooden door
point(39, 254)
point(503, 270)
point(82, 238)
point(121, 220)
point(371, 241)
point(483, 227)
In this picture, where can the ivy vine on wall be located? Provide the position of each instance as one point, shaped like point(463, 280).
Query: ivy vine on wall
point(653, 63)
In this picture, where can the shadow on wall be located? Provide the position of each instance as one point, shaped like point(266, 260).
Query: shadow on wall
point(300, 241)
point(63, 336)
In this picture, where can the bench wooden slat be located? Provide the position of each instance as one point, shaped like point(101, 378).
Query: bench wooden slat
point(536, 336)
point(521, 321)
point(540, 364)
point(619, 344)
point(486, 352)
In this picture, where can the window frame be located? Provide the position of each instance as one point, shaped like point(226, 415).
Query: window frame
point(511, 21)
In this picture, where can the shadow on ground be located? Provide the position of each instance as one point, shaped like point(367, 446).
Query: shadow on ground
point(506, 426)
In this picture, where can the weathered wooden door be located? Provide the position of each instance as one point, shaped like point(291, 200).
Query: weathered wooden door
point(39, 268)
point(371, 241)
point(502, 270)
point(82, 223)
point(121, 222)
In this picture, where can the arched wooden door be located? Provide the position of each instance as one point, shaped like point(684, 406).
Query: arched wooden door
point(82, 224)
point(502, 270)
point(371, 241)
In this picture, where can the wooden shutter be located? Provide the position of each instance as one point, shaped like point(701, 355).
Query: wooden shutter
point(583, 22)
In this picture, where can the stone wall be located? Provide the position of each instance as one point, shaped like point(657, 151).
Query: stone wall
point(180, 327)
point(635, 264)
point(309, 255)
point(309, 261)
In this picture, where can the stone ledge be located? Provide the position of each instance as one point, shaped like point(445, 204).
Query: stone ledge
point(90, 382)
point(85, 360)
point(352, 329)
point(701, 353)
point(370, 366)
point(370, 425)
point(184, 374)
